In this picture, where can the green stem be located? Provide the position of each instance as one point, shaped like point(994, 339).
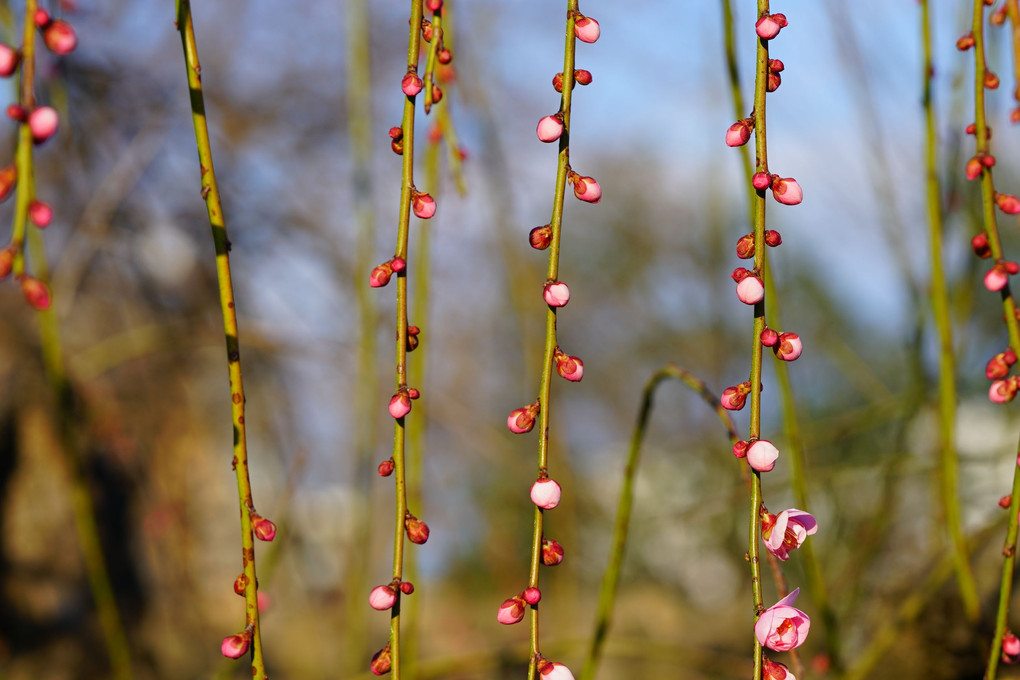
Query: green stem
point(943, 324)
point(761, 165)
point(555, 224)
point(1009, 308)
point(611, 578)
point(359, 132)
point(403, 227)
point(430, 60)
point(211, 194)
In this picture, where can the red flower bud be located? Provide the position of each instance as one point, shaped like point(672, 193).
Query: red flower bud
point(417, 530)
point(980, 245)
point(240, 583)
point(540, 237)
point(381, 661)
point(552, 552)
point(745, 246)
point(386, 468)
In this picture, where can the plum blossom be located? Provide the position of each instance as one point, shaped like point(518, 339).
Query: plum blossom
point(782, 627)
point(786, 531)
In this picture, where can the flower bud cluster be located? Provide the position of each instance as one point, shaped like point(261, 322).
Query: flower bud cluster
point(42, 123)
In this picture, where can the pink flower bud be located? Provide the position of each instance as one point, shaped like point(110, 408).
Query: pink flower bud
point(417, 530)
point(265, 530)
point(386, 468)
point(41, 18)
point(263, 601)
point(1006, 501)
point(769, 337)
point(767, 27)
point(733, 398)
point(586, 29)
point(556, 294)
point(381, 661)
point(552, 552)
point(1002, 391)
point(1009, 356)
point(1007, 203)
point(36, 293)
point(787, 191)
point(40, 213)
point(6, 262)
point(406, 587)
point(240, 584)
point(445, 56)
point(540, 237)
point(745, 246)
point(555, 671)
point(1010, 647)
point(550, 128)
point(411, 84)
point(751, 290)
point(996, 279)
point(17, 113)
point(382, 597)
point(511, 611)
point(761, 180)
point(965, 43)
point(9, 60)
point(773, 82)
point(740, 449)
point(424, 206)
point(380, 276)
point(772, 670)
point(587, 189)
point(545, 493)
point(991, 80)
point(996, 368)
point(980, 245)
point(762, 455)
point(522, 419)
point(582, 77)
point(43, 123)
point(398, 264)
point(400, 404)
point(570, 368)
point(973, 169)
point(776, 65)
point(433, 5)
point(772, 238)
point(740, 273)
point(789, 347)
point(59, 37)
point(738, 134)
point(987, 160)
point(234, 646)
point(532, 595)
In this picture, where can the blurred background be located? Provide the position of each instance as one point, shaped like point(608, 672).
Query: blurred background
point(135, 296)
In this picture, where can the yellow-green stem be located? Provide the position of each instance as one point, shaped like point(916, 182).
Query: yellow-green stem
point(618, 548)
point(210, 192)
point(943, 325)
point(1009, 309)
point(399, 433)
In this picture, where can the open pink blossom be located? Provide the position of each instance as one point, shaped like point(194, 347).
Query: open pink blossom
point(234, 646)
point(786, 531)
point(782, 627)
point(382, 597)
point(587, 189)
point(789, 347)
point(751, 290)
point(545, 493)
point(555, 671)
point(549, 128)
point(762, 455)
point(556, 294)
point(587, 29)
point(787, 191)
point(511, 611)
